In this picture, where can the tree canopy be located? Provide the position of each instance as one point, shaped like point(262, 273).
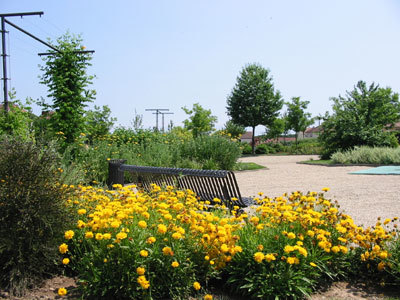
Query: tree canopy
point(65, 75)
point(297, 118)
point(360, 118)
point(200, 120)
point(253, 100)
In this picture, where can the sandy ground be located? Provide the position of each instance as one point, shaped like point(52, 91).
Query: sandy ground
point(364, 197)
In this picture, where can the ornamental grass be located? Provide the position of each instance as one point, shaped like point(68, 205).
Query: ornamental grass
point(168, 245)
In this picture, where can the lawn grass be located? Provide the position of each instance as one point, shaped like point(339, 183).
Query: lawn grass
point(324, 162)
point(245, 166)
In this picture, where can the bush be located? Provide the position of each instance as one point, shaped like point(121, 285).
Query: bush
point(368, 155)
point(262, 149)
point(213, 152)
point(360, 119)
point(32, 214)
point(246, 148)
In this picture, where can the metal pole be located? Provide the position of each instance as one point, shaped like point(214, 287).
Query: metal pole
point(3, 46)
point(31, 35)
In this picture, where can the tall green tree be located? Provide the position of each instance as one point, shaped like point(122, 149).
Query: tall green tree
point(65, 74)
point(360, 118)
point(253, 100)
point(298, 120)
point(200, 120)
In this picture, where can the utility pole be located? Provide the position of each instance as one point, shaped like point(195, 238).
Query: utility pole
point(3, 48)
point(3, 45)
point(157, 112)
point(162, 115)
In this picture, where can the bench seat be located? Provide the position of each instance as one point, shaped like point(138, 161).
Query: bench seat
point(207, 184)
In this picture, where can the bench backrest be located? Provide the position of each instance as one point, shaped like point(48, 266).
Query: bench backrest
point(207, 184)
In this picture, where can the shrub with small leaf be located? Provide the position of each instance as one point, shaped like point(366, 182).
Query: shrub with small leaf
point(32, 213)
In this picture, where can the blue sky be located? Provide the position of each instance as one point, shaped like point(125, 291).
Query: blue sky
point(169, 54)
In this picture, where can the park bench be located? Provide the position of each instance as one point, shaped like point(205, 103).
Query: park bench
point(207, 184)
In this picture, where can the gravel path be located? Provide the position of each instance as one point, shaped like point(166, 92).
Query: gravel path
point(364, 197)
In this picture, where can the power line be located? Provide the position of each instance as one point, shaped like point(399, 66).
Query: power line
point(4, 52)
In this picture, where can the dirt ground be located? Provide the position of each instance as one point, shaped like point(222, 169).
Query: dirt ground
point(364, 197)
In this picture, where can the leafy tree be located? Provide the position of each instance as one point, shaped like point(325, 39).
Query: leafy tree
point(200, 120)
point(99, 122)
point(254, 101)
point(297, 118)
point(233, 129)
point(67, 81)
point(276, 129)
point(360, 118)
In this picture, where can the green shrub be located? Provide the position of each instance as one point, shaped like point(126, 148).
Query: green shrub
point(246, 148)
point(18, 120)
point(262, 149)
point(211, 151)
point(368, 155)
point(32, 215)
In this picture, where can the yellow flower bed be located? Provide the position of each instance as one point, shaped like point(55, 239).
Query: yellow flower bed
point(166, 244)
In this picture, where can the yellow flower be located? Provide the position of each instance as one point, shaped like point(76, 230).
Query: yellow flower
point(292, 260)
point(142, 224)
point(291, 235)
point(63, 248)
point(196, 286)
point(206, 257)
point(69, 234)
point(208, 297)
point(99, 236)
point(107, 236)
point(151, 240)
point(383, 254)
point(140, 271)
point(162, 228)
point(81, 211)
point(143, 282)
point(381, 266)
point(224, 248)
point(386, 221)
point(121, 235)
point(89, 235)
point(288, 249)
point(175, 264)
point(176, 235)
point(313, 264)
point(144, 253)
point(335, 249)
point(326, 189)
point(65, 261)
point(270, 257)
point(62, 292)
point(258, 257)
point(167, 251)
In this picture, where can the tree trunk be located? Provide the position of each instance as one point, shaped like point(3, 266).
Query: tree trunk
point(253, 143)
